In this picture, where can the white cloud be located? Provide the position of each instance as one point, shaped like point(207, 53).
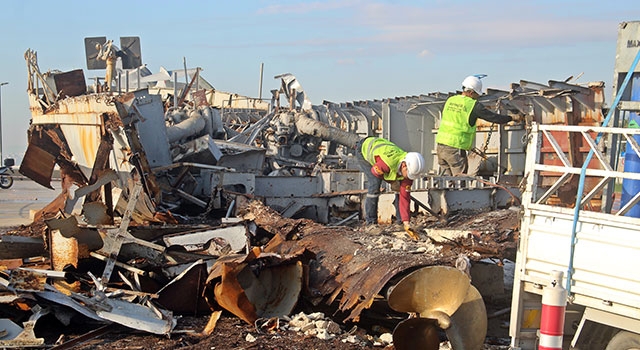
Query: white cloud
point(425, 53)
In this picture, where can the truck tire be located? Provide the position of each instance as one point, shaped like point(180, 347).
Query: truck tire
point(624, 340)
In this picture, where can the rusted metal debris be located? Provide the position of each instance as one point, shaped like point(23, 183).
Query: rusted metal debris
point(346, 271)
point(300, 259)
point(13, 336)
point(257, 286)
point(178, 198)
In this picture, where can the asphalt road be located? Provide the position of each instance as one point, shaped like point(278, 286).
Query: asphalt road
point(25, 196)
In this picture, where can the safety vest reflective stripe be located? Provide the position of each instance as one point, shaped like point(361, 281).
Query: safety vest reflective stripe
point(369, 154)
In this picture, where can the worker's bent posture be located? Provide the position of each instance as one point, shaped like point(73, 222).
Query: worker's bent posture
point(380, 159)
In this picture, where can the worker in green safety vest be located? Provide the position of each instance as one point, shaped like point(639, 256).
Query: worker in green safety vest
point(457, 129)
point(380, 159)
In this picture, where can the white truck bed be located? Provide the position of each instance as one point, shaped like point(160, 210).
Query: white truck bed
point(605, 260)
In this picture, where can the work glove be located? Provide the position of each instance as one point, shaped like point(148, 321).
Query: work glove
point(410, 231)
point(395, 186)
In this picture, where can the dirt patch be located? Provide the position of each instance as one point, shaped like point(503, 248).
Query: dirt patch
point(232, 333)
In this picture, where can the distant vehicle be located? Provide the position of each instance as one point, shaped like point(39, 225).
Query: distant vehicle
point(6, 180)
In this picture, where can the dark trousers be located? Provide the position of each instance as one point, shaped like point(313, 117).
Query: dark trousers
point(452, 161)
point(373, 187)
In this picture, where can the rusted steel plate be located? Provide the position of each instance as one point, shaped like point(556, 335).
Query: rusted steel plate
point(64, 252)
point(78, 110)
point(38, 165)
point(83, 141)
point(71, 83)
point(341, 266)
point(257, 287)
point(88, 239)
point(13, 247)
point(184, 294)
point(25, 280)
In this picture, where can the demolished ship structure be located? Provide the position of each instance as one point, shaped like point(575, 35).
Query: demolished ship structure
point(177, 188)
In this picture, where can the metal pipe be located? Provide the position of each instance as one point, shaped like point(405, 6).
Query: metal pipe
point(341, 222)
point(1, 85)
point(260, 83)
point(425, 207)
point(175, 89)
point(119, 83)
point(230, 210)
point(191, 164)
point(197, 78)
point(309, 126)
point(188, 127)
point(186, 74)
point(190, 198)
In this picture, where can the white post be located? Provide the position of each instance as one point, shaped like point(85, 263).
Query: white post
point(1, 155)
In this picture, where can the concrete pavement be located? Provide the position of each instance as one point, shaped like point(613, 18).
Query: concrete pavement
point(25, 196)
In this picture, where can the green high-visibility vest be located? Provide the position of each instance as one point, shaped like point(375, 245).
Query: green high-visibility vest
point(391, 154)
point(455, 130)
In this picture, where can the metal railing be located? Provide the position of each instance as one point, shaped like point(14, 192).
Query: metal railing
point(601, 169)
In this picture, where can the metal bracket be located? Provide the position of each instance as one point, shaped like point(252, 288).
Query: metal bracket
point(114, 238)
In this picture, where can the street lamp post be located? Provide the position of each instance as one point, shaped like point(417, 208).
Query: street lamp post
point(1, 155)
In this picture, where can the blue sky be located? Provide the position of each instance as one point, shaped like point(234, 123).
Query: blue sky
point(339, 50)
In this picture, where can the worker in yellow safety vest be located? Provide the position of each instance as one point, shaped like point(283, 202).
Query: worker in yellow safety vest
point(380, 159)
point(458, 126)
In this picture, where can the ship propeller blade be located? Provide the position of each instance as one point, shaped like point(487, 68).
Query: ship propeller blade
point(444, 298)
point(469, 323)
point(416, 333)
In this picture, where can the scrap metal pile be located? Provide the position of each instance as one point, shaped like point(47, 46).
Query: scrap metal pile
point(175, 200)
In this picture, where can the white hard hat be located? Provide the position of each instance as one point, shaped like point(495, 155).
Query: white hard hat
point(415, 164)
point(474, 83)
